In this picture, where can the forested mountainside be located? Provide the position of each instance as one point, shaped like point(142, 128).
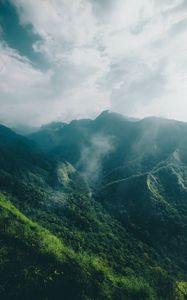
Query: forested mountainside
point(94, 209)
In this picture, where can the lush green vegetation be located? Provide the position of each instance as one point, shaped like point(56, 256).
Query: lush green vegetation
point(101, 215)
point(35, 264)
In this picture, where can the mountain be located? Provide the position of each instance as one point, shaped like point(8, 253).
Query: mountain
point(132, 138)
point(94, 209)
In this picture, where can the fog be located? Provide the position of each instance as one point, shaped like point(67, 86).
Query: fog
point(92, 155)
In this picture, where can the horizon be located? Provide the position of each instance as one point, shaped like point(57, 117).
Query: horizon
point(22, 128)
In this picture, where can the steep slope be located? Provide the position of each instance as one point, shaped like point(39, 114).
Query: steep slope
point(45, 268)
point(111, 204)
point(154, 205)
point(31, 175)
point(137, 170)
point(53, 194)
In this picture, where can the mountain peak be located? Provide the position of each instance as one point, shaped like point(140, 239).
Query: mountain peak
point(110, 114)
point(114, 116)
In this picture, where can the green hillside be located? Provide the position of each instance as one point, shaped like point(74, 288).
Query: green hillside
point(36, 265)
point(94, 209)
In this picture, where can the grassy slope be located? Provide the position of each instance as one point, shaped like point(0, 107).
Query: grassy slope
point(34, 264)
point(78, 222)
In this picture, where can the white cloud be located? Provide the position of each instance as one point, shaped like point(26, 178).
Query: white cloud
point(21, 86)
point(17, 73)
point(126, 55)
point(63, 25)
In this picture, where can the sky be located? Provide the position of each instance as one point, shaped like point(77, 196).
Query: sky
point(69, 59)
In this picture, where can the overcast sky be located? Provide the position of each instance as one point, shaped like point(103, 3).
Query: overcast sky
point(65, 59)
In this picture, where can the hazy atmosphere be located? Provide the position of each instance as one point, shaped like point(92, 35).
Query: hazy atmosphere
point(93, 149)
point(66, 59)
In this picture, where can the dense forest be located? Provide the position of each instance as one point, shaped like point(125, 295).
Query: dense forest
point(94, 210)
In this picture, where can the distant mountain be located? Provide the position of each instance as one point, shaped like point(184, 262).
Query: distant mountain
point(24, 130)
point(94, 209)
point(151, 139)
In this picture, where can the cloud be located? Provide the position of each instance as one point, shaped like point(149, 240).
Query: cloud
point(92, 156)
point(63, 25)
point(128, 56)
point(148, 71)
point(22, 87)
point(29, 95)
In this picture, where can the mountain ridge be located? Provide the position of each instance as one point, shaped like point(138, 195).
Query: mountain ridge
point(113, 192)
